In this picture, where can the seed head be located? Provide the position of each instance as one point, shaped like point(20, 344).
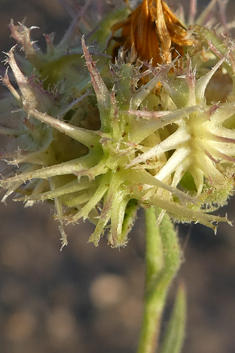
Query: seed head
point(99, 140)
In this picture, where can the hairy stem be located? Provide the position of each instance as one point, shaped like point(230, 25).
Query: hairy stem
point(162, 263)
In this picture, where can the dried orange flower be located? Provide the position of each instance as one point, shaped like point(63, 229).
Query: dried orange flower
point(152, 32)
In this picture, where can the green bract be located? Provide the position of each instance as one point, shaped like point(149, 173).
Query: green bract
point(96, 138)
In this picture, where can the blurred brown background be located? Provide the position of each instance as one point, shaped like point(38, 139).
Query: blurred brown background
point(86, 299)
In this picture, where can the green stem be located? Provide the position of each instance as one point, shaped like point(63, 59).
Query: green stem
point(162, 263)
